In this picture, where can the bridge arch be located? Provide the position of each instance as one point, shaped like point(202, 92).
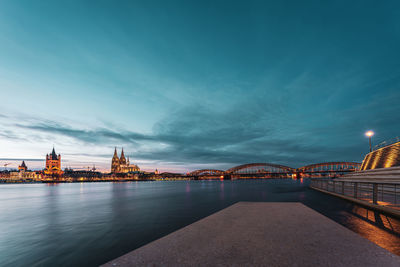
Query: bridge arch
point(330, 166)
point(255, 168)
point(207, 172)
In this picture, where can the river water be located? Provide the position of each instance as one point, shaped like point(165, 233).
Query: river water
point(87, 224)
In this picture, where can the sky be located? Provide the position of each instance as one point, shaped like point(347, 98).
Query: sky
point(185, 85)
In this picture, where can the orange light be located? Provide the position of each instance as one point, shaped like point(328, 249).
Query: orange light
point(369, 133)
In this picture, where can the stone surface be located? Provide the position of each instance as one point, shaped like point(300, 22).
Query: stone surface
point(261, 234)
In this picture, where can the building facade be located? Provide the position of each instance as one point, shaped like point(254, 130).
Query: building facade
point(22, 167)
point(121, 164)
point(53, 164)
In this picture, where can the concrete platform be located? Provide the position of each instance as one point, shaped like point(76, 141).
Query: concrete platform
point(261, 234)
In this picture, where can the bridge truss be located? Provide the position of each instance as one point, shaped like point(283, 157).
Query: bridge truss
point(269, 170)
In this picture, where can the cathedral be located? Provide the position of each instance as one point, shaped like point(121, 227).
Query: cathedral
point(121, 164)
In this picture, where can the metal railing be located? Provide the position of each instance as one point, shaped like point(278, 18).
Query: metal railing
point(386, 143)
point(383, 194)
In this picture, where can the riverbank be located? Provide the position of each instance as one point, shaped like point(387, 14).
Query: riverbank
point(382, 209)
point(74, 181)
point(92, 181)
point(377, 195)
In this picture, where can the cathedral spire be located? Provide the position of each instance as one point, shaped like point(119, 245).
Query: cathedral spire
point(122, 159)
point(115, 153)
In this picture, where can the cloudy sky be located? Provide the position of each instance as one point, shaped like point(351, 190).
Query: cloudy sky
point(183, 85)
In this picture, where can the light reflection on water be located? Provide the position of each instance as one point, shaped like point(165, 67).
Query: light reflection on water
point(87, 224)
point(376, 227)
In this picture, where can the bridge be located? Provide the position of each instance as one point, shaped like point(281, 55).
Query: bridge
point(327, 169)
point(259, 170)
point(270, 170)
point(207, 174)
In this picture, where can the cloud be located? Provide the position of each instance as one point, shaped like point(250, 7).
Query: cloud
point(21, 159)
point(11, 135)
point(200, 135)
point(96, 136)
point(255, 128)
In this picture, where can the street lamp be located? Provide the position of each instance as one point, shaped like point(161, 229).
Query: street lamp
point(369, 134)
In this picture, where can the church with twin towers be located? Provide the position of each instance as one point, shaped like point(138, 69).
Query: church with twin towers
point(122, 164)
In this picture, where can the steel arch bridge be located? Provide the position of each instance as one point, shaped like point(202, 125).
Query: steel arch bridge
point(256, 168)
point(330, 167)
point(207, 172)
point(269, 170)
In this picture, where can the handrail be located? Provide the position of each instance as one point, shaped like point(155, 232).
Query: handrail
point(386, 143)
point(378, 193)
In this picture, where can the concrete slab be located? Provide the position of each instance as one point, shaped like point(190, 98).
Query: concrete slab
point(261, 234)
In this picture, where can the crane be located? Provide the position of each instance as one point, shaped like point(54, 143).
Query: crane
point(5, 165)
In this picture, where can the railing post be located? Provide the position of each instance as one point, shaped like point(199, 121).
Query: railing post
point(342, 188)
point(375, 194)
point(355, 190)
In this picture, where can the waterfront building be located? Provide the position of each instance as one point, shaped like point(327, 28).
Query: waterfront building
point(384, 155)
point(53, 164)
point(121, 164)
point(22, 167)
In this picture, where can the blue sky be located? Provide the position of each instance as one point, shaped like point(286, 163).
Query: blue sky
point(183, 85)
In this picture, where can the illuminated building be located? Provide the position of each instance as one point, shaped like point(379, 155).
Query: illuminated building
point(388, 155)
point(53, 164)
point(121, 164)
point(22, 167)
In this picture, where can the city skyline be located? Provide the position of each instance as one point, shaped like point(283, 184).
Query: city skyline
point(191, 85)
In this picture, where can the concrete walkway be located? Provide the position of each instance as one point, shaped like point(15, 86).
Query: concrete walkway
point(261, 234)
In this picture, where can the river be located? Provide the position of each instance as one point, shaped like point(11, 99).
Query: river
point(87, 224)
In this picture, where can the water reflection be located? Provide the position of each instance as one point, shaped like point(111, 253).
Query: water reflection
point(221, 190)
point(187, 187)
point(87, 224)
point(379, 228)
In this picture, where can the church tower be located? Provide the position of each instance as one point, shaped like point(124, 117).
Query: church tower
point(53, 164)
point(122, 159)
point(122, 165)
point(22, 167)
point(115, 162)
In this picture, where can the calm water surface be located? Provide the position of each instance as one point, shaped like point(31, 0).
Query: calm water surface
point(89, 224)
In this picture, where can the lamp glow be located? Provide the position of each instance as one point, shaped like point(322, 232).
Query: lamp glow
point(369, 133)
